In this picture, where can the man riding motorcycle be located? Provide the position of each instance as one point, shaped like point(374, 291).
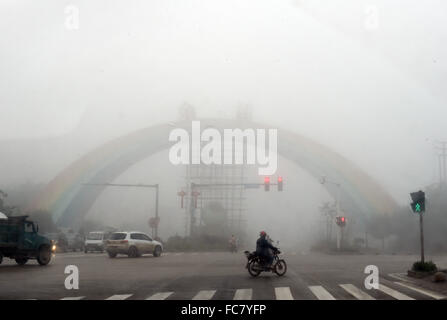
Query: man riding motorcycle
point(263, 247)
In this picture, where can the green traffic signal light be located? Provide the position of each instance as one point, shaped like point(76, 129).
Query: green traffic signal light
point(418, 204)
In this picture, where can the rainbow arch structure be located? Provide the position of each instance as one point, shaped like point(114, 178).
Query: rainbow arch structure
point(69, 201)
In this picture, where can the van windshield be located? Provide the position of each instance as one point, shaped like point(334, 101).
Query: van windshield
point(95, 236)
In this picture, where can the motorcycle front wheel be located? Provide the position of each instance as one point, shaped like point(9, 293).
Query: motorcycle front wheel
point(251, 271)
point(281, 268)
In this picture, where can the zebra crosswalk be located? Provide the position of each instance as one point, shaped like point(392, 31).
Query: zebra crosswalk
point(392, 290)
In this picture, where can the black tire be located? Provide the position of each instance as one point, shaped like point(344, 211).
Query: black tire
point(281, 267)
point(253, 273)
point(157, 251)
point(44, 256)
point(111, 254)
point(21, 260)
point(85, 250)
point(1, 258)
point(133, 252)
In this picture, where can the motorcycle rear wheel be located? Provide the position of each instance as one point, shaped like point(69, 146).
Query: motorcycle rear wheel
point(251, 271)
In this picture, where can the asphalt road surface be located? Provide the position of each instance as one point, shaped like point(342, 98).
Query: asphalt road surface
point(214, 275)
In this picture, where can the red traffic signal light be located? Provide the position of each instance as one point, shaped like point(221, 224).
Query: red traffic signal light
point(341, 221)
point(267, 183)
point(280, 183)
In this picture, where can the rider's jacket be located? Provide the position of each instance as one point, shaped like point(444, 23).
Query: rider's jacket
point(263, 246)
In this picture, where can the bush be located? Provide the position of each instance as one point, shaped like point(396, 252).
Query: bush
point(424, 267)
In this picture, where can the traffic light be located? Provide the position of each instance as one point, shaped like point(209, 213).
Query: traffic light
point(340, 221)
point(418, 204)
point(267, 183)
point(279, 183)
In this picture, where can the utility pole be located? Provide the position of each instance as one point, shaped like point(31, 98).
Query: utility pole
point(323, 180)
point(421, 223)
point(441, 147)
point(444, 156)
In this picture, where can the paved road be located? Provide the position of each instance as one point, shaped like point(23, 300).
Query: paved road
point(212, 276)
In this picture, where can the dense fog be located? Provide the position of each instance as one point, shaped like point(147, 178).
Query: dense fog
point(366, 79)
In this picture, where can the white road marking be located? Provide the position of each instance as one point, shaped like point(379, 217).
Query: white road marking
point(73, 298)
point(243, 294)
point(399, 276)
point(160, 296)
point(87, 255)
point(429, 293)
point(119, 297)
point(178, 254)
point(395, 294)
point(283, 293)
point(356, 292)
point(321, 293)
point(204, 295)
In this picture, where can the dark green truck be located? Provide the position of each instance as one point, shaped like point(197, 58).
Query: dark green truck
point(20, 240)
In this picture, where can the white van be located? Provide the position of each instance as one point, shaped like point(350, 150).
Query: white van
point(94, 241)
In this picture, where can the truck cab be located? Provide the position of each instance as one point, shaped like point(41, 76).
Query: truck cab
point(20, 240)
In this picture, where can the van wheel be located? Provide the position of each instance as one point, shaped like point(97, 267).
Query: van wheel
point(44, 256)
point(1, 258)
point(111, 254)
point(133, 252)
point(157, 251)
point(21, 260)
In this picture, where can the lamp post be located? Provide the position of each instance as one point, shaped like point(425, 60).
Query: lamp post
point(324, 180)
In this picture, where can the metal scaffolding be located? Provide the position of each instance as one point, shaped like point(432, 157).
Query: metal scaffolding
point(221, 184)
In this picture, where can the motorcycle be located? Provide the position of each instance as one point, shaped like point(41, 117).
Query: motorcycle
point(256, 265)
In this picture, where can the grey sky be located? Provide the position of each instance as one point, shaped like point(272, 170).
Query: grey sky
point(317, 67)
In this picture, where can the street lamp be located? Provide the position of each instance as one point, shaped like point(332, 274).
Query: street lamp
point(324, 180)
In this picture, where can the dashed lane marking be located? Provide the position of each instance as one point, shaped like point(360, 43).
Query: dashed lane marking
point(283, 293)
point(204, 295)
point(395, 294)
point(426, 292)
point(119, 297)
point(321, 293)
point(160, 296)
point(356, 292)
point(243, 294)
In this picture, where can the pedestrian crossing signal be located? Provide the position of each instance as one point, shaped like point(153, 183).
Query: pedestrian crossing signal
point(418, 204)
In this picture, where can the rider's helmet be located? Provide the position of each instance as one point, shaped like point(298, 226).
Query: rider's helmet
point(262, 233)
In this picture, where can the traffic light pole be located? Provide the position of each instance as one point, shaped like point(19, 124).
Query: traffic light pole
point(418, 206)
point(339, 233)
point(421, 220)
